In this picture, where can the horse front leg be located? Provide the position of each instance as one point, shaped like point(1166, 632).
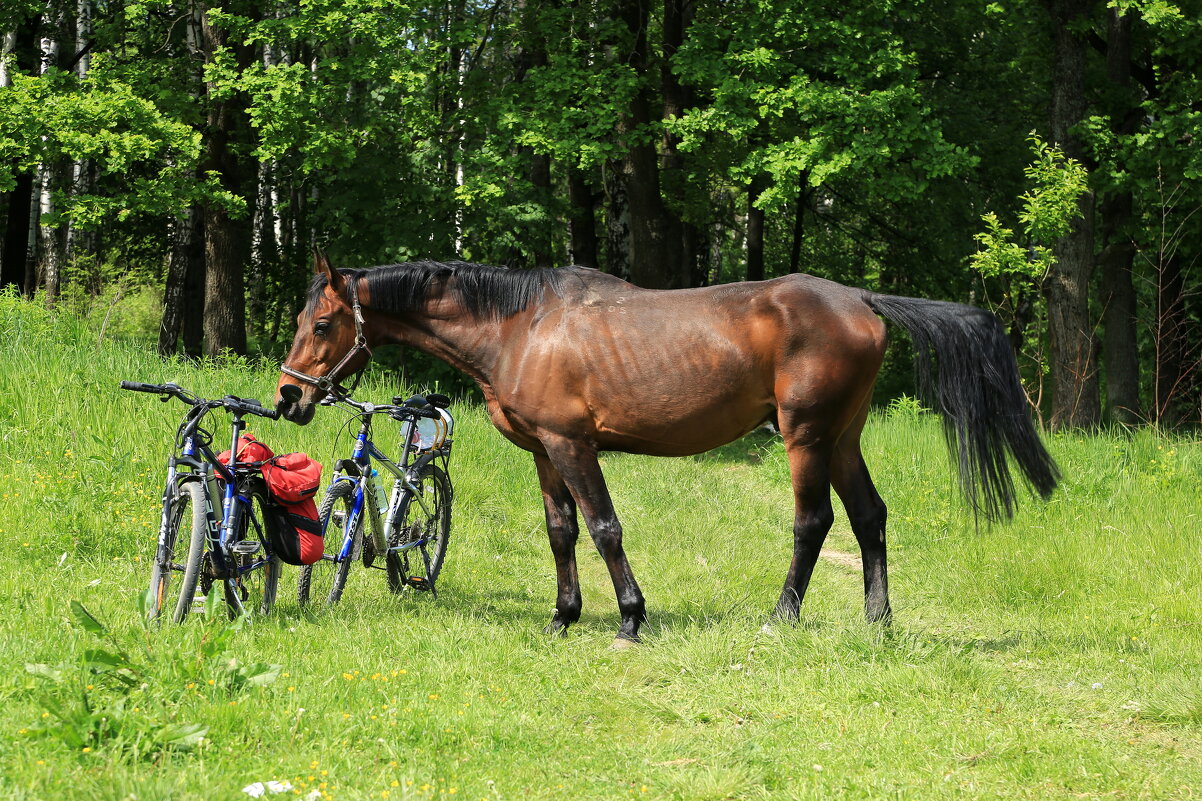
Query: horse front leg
point(563, 531)
point(576, 462)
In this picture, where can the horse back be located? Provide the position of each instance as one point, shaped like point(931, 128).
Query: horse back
point(675, 372)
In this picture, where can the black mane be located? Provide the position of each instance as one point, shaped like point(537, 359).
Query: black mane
point(485, 291)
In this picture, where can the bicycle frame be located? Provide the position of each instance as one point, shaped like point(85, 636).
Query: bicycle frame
point(365, 492)
point(222, 530)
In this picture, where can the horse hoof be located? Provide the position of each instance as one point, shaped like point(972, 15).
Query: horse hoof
point(556, 630)
point(621, 644)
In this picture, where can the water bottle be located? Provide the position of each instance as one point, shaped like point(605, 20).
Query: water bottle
point(381, 494)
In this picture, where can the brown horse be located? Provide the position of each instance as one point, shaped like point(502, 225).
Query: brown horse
point(573, 362)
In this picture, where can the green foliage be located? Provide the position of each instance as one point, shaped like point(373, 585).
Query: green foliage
point(123, 694)
point(107, 122)
point(1049, 207)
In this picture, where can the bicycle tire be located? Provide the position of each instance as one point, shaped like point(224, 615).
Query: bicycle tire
point(188, 495)
point(410, 568)
point(328, 577)
point(255, 588)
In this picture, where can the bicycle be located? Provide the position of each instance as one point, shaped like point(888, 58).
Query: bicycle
point(412, 530)
point(218, 518)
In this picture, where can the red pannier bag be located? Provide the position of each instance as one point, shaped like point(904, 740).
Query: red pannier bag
point(249, 450)
point(289, 515)
point(292, 480)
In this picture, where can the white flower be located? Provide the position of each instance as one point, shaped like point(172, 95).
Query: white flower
point(1097, 685)
point(279, 787)
point(254, 790)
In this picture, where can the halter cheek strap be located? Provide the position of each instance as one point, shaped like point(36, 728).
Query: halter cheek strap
point(328, 383)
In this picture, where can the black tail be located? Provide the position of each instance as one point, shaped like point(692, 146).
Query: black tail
point(966, 370)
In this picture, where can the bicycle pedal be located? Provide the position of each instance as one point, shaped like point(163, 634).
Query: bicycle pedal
point(245, 547)
point(419, 583)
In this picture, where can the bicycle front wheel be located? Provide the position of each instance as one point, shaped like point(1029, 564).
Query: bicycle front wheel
point(177, 558)
point(417, 545)
point(325, 579)
point(258, 573)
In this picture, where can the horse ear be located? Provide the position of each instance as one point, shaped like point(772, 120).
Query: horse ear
point(321, 265)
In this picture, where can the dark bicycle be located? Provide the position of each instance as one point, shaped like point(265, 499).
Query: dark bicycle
point(218, 506)
point(409, 526)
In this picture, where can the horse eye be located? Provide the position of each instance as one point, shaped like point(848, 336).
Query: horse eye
point(321, 328)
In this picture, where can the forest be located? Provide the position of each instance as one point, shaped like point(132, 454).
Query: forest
point(1040, 159)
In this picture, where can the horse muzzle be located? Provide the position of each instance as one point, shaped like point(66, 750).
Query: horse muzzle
point(292, 407)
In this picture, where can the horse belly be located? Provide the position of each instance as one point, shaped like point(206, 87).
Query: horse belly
point(679, 401)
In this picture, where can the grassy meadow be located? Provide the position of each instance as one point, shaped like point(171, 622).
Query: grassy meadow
point(1057, 657)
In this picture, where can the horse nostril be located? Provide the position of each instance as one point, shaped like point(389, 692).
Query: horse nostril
point(290, 393)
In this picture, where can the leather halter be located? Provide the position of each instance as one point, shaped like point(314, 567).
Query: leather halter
point(328, 383)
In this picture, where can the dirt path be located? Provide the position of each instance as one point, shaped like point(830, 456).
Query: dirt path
point(841, 558)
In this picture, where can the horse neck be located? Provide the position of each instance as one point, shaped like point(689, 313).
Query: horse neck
point(468, 343)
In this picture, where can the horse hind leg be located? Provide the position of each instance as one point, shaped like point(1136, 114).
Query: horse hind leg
point(868, 514)
point(562, 531)
point(810, 468)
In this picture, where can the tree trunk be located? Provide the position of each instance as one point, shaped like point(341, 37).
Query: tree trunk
point(8, 43)
point(803, 202)
point(755, 230)
point(194, 286)
point(263, 254)
point(617, 223)
point(654, 231)
point(50, 254)
point(16, 235)
point(677, 98)
point(1120, 352)
point(176, 298)
point(582, 225)
point(16, 254)
point(1071, 365)
point(76, 241)
point(227, 239)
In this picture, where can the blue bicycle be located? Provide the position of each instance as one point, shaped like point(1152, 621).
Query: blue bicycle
point(408, 527)
point(211, 528)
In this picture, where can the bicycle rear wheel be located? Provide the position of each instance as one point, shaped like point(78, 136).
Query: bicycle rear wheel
point(258, 575)
point(325, 580)
point(177, 558)
point(417, 545)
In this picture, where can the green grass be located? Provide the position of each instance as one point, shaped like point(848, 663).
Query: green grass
point(1058, 657)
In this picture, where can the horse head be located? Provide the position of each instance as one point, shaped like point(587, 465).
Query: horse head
point(330, 344)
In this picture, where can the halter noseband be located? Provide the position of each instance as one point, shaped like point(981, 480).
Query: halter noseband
point(328, 383)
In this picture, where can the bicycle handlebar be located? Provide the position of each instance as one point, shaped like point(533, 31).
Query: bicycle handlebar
point(416, 406)
point(230, 402)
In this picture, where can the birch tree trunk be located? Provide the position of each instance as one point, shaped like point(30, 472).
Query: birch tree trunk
point(49, 175)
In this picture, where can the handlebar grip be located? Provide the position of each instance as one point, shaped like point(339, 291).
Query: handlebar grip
point(270, 414)
point(137, 386)
point(254, 407)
